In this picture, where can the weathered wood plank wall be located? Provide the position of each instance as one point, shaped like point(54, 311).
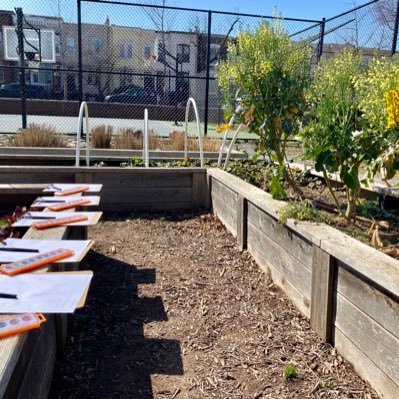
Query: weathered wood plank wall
point(349, 291)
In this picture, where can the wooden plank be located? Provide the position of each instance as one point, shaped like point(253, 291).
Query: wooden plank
point(25, 177)
point(382, 309)
point(297, 297)
point(151, 195)
point(379, 381)
point(266, 203)
point(297, 245)
point(242, 221)
point(322, 293)
point(290, 267)
point(199, 191)
point(145, 206)
point(381, 347)
point(228, 196)
point(208, 199)
point(83, 176)
point(371, 265)
point(118, 180)
point(227, 215)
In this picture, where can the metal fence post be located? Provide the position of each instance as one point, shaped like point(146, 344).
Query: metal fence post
point(395, 30)
point(208, 66)
point(321, 39)
point(21, 53)
point(80, 60)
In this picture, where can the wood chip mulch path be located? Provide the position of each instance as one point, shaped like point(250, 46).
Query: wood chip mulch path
point(176, 311)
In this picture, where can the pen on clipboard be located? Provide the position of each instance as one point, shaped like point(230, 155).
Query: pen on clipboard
point(48, 201)
point(38, 217)
point(8, 296)
point(11, 249)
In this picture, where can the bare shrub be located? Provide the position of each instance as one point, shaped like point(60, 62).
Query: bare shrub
point(133, 140)
point(38, 135)
point(129, 139)
point(155, 142)
point(176, 142)
point(101, 136)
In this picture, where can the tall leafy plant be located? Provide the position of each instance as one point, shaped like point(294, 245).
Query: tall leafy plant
point(335, 137)
point(270, 73)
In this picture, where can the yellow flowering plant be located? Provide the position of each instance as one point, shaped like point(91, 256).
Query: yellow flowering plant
point(378, 88)
point(334, 137)
point(270, 73)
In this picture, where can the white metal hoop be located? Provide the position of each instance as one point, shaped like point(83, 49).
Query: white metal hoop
point(192, 102)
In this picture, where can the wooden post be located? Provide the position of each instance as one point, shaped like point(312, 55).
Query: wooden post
point(322, 293)
point(242, 222)
point(199, 191)
point(208, 198)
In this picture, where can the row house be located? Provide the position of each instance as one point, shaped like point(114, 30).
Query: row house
point(114, 58)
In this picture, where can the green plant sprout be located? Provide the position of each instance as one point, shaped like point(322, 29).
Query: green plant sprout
point(290, 372)
point(302, 210)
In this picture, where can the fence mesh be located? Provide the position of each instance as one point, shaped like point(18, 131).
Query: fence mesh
point(135, 56)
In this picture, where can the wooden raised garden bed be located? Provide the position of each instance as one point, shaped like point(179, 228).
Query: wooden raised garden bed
point(349, 291)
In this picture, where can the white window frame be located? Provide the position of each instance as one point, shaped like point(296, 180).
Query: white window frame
point(126, 50)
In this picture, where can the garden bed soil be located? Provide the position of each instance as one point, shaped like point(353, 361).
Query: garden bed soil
point(176, 311)
point(313, 189)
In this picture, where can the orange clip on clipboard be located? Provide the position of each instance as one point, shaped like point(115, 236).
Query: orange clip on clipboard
point(20, 323)
point(36, 261)
point(69, 205)
point(70, 191)
point(59, 221)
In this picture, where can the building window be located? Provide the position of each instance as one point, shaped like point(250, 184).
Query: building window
point(183, 53)
point(70, 44)
point(126, 50)
point(147, 50)
point(214, 56)
point(95, 44)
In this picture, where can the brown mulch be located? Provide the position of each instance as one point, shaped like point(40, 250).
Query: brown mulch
point(176, 311)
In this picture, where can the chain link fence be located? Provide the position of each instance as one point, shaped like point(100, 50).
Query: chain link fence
point(123, 57)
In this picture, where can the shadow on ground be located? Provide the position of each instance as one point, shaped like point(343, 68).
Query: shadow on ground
point(107, 355)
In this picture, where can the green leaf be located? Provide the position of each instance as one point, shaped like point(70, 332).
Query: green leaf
point(351, 180)
point(255, 157)
point(325, 160)
point(277, 189)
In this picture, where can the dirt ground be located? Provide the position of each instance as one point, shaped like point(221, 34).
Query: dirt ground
point(176, 311)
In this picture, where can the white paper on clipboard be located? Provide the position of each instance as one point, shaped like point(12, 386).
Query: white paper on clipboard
point(43, 292)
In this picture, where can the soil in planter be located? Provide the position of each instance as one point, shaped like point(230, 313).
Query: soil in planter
point(363, 227)
point(176, 311)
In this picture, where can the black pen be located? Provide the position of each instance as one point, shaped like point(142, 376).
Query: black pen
point(8, 296)
point(11, 249)
point(43, 200)
point(39, 217)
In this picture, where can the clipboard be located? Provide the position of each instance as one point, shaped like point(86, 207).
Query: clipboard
point(83, 298)
point(47, 293)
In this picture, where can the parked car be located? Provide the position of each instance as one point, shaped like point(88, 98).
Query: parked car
point(133, 96)
point(32, 90)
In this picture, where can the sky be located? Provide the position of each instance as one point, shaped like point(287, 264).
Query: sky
point(308, 9)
